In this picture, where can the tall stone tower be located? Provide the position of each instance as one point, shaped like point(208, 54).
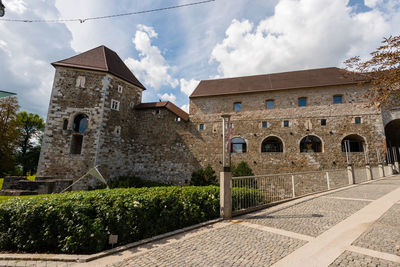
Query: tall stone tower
point(91, 99)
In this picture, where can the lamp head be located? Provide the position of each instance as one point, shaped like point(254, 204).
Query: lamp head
point(2, 9)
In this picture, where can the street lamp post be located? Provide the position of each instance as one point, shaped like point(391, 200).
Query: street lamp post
point(2, 9)
point(224, 117)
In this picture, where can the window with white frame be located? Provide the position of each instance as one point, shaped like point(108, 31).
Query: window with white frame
point(114, 104)
point(120, 88)
point(80, 81)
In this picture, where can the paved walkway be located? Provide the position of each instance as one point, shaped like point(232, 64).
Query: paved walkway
point(358, 226)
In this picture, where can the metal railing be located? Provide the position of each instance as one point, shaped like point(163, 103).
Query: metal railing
point(252, 191)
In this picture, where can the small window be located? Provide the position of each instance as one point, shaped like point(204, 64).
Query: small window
point(337, 99)
point(270, 104)
point(285, 123)
point(80, 81)
point(264, 124)
point(238, 145)
point(76, 144)
point(302, 102)
point(178, 119)
point(65, 124)
point(357, 120)
point(114, 104)
point(323, 122)
point(237, 106)
point(201, 127)
point(120, 89)
point(80, 123)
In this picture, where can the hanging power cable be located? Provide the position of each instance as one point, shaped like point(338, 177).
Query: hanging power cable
point(106, 17)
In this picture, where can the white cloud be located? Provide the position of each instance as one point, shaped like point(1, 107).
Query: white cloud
point(185, 108)
point(16, 6)
point(301, 34)
point(372, 3)
point(152, 68)
point(167, 97)
point(187, 87)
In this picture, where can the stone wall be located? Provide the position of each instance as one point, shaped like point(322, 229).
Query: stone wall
point(303, 121)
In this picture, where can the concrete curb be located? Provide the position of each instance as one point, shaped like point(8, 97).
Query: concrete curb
point(87, 258)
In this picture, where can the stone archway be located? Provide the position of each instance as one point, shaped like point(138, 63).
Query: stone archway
point(392, 132)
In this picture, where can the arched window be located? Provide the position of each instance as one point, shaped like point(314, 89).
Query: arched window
point(272, 144)
point(238, 145)
point(356, 143)
point(310, 144)
point(80, 123)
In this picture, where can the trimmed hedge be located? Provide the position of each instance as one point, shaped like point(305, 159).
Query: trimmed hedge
point(80, 222)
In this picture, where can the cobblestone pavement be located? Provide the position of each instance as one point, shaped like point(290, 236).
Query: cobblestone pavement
point(233, 245)
point(352, 259)
point(384, 234)
point(312, 217)
point(14, 263)
point(369, 191)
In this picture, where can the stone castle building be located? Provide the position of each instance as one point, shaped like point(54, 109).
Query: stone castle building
point(284, 122)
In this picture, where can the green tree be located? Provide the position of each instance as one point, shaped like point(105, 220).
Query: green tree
point(242, 169)
point(203, 177)
point(8, 133)
point(30, 131)
point(382, 71)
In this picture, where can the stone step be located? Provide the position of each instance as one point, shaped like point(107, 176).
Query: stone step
point(11, 192)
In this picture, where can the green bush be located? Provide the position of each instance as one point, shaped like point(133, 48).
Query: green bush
point(204, 177)
point(242, 169)
point(80, 222)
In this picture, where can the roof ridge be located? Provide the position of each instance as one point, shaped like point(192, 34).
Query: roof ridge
point(105, 57)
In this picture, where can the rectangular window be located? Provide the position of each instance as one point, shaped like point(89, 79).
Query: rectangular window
point(237, 106)
point(337, 99)
point(323, 122)
point(76, 144)
point(285, 123)
point(302, 102)
point(201, 127)
point(114, 104)
point(270, 104)
point(120, 89)
point(357, 120)
point(264, 124)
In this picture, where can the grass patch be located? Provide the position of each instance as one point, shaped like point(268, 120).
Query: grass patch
point(1, 183)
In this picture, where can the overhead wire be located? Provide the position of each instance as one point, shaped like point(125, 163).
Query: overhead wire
point(105, 17)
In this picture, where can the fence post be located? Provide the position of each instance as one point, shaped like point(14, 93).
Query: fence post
point(350, 173)
point(381, 170)
point(225, 186)
point(327, 181)
point(293, 192)
point(369, 172)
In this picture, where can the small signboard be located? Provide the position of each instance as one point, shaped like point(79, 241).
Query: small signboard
point(112, 240)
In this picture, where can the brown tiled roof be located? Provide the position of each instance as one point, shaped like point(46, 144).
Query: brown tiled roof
point(102, 59)
point(276, 81)
point(165, 104)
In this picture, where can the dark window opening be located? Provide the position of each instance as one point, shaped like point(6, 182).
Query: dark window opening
point(201, 127)
point(357, 120)
point(65, 125)
point(76, 144)
point(285, 123)
point(310, 144)
point(80, 123)
point(337, 99)
point(272, 144)
point(302, 102)
point(237, 106)
point(264, 124)
point(355, 143)
point(323, 122)
point(270, 104)
point(238, 145)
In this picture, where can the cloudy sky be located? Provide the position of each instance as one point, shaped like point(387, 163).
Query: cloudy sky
point(171, 51)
